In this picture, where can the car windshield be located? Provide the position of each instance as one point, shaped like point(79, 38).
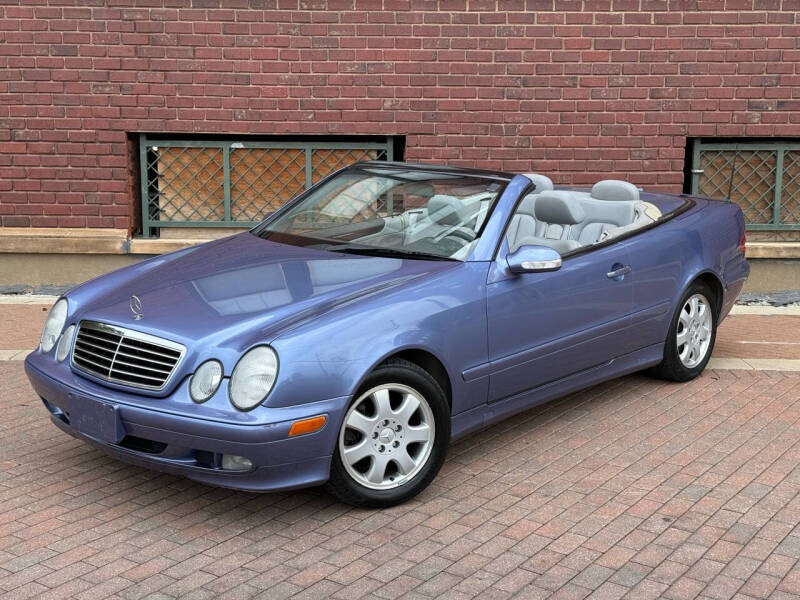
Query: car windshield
point(390, 211)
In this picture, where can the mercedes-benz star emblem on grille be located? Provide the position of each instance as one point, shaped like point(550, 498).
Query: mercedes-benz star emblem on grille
point(136, 308)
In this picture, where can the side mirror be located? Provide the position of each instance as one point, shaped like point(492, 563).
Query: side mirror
point(533, 259)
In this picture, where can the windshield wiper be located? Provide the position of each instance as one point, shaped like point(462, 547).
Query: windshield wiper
point(388, 252)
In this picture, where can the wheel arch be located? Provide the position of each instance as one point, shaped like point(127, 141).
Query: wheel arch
point(430, 363)
point(713, 281)
point(423, 358)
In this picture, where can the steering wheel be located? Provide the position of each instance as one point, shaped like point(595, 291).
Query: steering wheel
point(462, 233)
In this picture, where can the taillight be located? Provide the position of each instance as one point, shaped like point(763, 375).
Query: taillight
point(743, 243)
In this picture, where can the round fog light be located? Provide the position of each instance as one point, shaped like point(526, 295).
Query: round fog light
point(205, 381)
point(231, 462)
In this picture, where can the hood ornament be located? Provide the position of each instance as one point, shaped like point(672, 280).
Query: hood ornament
point(136, 308)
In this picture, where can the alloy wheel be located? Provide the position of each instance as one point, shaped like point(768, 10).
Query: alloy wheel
point(694, 331)
point(387, 436)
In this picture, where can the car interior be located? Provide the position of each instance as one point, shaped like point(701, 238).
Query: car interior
point(567, 220)
point(447, 224)
point(444, 222)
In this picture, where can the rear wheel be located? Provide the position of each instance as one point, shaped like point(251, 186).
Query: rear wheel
point(393, 438)
point(691, 336)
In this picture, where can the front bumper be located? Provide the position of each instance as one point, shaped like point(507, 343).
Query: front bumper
point(190, 446)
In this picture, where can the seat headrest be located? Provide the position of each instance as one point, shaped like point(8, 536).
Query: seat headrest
point(447, 210)
point(542, 182)
point(612, 189)
point(526, 205)
point(558, 207)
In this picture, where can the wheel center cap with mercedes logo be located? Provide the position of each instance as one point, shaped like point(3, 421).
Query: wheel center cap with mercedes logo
point(386, 436)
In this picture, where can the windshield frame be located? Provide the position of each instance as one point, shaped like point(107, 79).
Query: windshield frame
point(497, 176)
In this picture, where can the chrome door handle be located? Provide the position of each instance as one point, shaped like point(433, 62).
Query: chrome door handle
point(619, 272)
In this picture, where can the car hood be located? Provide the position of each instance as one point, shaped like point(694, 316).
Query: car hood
point(237, 291)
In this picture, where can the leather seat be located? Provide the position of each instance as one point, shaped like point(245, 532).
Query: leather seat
point(554, 215)
point(566, 220)
point(447, 210)
point(572, 219)
point(615, 190)
point(611, 205)
point(602, 216)
point(541, 183)
point(523, 222)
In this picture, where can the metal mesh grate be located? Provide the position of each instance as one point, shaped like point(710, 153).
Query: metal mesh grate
point(763, 179)
point(790, 197)
point(190, 184)
point(325, 162)
point(235, 184)
point(263, 179)
point(747, 178)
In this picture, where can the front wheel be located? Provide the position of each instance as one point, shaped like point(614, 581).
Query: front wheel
point(691, 336)
point(393, 438)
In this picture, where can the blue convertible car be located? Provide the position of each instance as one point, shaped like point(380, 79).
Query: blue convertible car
point(385, 311)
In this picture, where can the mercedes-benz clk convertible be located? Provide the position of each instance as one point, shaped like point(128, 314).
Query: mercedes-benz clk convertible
point(388, 309)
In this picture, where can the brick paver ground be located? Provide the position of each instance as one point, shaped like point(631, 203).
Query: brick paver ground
point(636, 488)
point(21, 325)
point(759, 336)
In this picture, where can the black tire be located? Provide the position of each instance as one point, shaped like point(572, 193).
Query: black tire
point(671, 366)
point(396, 371)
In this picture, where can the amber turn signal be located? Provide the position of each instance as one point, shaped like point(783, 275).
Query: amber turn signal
point(307, 425)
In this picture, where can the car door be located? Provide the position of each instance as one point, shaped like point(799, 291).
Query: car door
point(658, 262)
point(545, 326)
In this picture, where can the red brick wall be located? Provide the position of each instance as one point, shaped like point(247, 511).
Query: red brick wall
point(578, 90)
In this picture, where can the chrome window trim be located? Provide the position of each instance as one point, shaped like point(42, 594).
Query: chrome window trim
point(124, 332)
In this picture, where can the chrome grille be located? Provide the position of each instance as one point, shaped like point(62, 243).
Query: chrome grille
point(125, 356)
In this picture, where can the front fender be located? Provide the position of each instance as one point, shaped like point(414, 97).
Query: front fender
point(445, 315)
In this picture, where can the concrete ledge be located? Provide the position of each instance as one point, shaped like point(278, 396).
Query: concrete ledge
point(162, 246)
point(54, 269)
point(45, 240)
point(773, 250)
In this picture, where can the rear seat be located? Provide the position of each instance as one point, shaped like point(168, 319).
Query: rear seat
point(601, 216)
point(615, 190)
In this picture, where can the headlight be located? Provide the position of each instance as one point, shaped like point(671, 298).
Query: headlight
point(63, 344)
point(54, 324)
point(253, 377)
point(205, 381)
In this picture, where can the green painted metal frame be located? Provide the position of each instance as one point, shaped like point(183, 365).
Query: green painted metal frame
point(145, 143)
point(779, 148)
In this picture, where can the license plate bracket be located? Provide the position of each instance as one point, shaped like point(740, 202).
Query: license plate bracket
point(98, 420)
